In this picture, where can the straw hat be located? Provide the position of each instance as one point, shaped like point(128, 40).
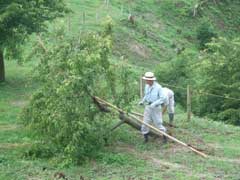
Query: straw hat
point(149, 76)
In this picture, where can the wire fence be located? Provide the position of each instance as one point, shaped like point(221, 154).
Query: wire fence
point(201, 92)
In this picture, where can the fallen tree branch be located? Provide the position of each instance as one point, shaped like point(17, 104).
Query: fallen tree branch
point(123, 119)
point(118, 124)
point(151, 127)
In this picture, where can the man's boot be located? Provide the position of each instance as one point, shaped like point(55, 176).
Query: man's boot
point(164, 139)
point(171, 117)
point(145, 138)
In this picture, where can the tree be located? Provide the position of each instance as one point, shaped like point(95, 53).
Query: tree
point(220, 72)
point(62, 112)
point(205, 33)
point(18, 19)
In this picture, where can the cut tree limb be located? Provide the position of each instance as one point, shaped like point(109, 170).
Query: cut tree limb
point(124, 119)
point(118, 124)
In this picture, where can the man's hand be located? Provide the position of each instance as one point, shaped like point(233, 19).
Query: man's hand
point(153, 105)
point(140, 103)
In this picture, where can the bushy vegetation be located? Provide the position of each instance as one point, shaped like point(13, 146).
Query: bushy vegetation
point(213, 75)
point(62, 112)
point(220, 71)
point(19, 19)
point(205, 33)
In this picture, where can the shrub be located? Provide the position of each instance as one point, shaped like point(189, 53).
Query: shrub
point(205, 33)
point(220, 74)
point(62, 112)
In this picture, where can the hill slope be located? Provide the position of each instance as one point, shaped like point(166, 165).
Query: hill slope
point(160, 27)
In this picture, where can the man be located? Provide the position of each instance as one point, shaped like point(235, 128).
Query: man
point(169, 104)
point(153, 99)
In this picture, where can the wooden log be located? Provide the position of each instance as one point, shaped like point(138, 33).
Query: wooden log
point(136, 125)
point(153, 128)
point(124, 119)
point(101, 106)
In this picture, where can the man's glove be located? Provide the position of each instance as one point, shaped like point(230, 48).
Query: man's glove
point(140, 103)
point(152, 105)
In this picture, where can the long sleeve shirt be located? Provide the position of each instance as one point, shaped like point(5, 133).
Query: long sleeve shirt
point(168, 93)
point(154, 94)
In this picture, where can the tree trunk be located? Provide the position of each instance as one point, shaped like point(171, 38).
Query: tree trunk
point(124, 118)
point(2, 68)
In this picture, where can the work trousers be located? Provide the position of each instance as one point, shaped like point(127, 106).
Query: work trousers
point(152, 115)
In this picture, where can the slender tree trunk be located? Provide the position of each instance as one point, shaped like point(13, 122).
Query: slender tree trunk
point(2, 67)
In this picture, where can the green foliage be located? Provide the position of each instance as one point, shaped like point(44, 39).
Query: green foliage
point(20, 18)
point(40, 150)
point(205, 33)
point(62, 111)
point(126, 85)
point(213, 71)
point(178, 72)
point(220, 72)
point(119, 159)
point(108, 25)
point(160, 163)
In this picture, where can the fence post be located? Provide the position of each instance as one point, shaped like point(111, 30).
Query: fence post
point(96, 17)
point(141, 87)
point(83, 18)
point(188, 103)
point(107, 2)
point(69, 24)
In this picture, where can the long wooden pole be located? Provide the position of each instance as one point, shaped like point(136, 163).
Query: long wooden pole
point(141, 115)
point(153, 128)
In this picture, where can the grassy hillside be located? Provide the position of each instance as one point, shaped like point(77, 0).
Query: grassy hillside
point(160, 27)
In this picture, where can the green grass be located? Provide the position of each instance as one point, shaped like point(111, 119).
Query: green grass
point(161, 26)
point(128, 157)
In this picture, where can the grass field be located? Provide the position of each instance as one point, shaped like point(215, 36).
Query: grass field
point(128, 157)
point(161, 27)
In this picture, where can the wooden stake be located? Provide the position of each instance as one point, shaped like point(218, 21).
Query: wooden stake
point(83, 18)
point(117, 125)
point(188, 103)
point(69, 24)
point(152, 127)
point(107, 3)
point(141, 87)
point(96, 17)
